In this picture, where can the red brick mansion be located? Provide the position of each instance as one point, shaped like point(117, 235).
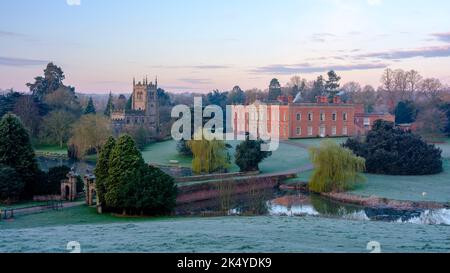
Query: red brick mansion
point(320, 119)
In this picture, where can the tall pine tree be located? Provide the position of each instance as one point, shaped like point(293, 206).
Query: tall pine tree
point(102, 168)
point(90, 108)
point(16, 152)
point(109, 106)
point(274, 90)
point(332, 84)
point(125, 167)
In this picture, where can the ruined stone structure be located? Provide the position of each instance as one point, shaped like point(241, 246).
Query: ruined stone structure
point(69, 187)
point(144, 110)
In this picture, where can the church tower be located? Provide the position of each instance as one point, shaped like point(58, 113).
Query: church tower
point(145, 99)
point(139, 100)
point(152, 109)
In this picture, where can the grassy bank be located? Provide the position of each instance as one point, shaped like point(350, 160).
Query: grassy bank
point(70, 216)
point(51, 149)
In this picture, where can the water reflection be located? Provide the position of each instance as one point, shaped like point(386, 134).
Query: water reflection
point(279, 203)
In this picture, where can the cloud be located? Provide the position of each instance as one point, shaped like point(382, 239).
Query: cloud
point(10, 34)
point(73, 2)
point(425, 52)
point(322, 37)
point(179, 87)
point(6, 61)
point(209, 66)
point(191, 66)
point(442, 36)
point(308, 68)
point(196, 81)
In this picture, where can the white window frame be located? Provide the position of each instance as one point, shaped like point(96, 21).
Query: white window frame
point(345, 131)
point(310, 131)
point(323, 117)
point(333, 130)
point(323, 131)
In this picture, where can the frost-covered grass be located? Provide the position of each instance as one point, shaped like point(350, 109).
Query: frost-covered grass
point(414, 188)
point(264, 234)
point(22, 205)
point(445, 146)
point(287, 157)
point(163, 152)
point(311, 142)
point(69, 216)
point(411, 188)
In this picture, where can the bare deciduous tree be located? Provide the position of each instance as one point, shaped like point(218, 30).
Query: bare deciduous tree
point(90, 132)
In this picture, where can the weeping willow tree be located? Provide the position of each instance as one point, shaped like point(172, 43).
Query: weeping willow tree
point(335, 168)
point(209, 156)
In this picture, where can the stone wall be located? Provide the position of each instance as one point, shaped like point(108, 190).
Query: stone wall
point(199, 178)
point(211, 190)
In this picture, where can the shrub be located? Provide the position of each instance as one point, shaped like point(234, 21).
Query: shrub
point(210, 156)
point(249, 154)
point(16, 152)
point(389, 150)
point(129, 185)
point(11, 186)
point(335, 168)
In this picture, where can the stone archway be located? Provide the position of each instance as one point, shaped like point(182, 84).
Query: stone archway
point(69, 187)
point(67, 191)
point(93, 195)
point(91, 191)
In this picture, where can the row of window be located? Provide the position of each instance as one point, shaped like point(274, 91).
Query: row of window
point(310, 117)
point(322, 131)
point(334, 116)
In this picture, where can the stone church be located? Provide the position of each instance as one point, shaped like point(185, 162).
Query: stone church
point(144, 110)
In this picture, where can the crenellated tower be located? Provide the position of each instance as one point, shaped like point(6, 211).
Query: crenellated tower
point(145, 99)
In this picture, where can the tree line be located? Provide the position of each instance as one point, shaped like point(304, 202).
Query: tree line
point(405, 94)
point(54, 114)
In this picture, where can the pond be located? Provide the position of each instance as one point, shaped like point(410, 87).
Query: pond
point(298, 204)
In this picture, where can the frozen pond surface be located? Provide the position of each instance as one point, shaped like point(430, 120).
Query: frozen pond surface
point(232, 234)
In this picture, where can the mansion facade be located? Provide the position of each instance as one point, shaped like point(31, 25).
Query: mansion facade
point(313, 120)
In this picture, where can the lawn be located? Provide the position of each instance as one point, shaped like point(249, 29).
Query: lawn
point(163, 152)
point(23, 205)
point(223, 234)
point(436, 187)
point(69, 216)
point(311, 142)
point(287, 157)
point(445, 148)
point(51, 149)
